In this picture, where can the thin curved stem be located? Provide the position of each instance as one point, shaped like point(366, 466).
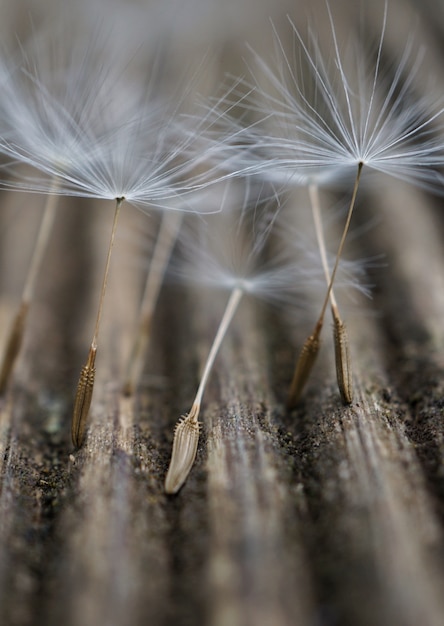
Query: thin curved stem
point(119, 202)
point(342, 242)
point(313, 192)
point(230, 310)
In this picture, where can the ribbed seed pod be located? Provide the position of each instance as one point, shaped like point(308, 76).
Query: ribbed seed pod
point(186, 438)
point(304, 366)
point(343, 367)
point(83, 399)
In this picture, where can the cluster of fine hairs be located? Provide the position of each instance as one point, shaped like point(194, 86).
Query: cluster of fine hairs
point(83, 115)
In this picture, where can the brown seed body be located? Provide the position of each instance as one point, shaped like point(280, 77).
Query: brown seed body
point(186, 438)
point(343, 367)
point(304, 366)
point(82, 403)
point(14, 344)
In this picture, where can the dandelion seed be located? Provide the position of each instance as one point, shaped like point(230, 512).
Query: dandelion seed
point(131, 149)
point(85, 386)
point(49, 93)
point(293, 397)
point(311, 346)
point(187, 431)
point(325, 118)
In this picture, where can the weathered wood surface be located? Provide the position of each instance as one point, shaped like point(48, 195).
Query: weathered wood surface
point(328, 515)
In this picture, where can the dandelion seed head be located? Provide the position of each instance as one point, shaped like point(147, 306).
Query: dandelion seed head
point(326, 108)
point(108, 140)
